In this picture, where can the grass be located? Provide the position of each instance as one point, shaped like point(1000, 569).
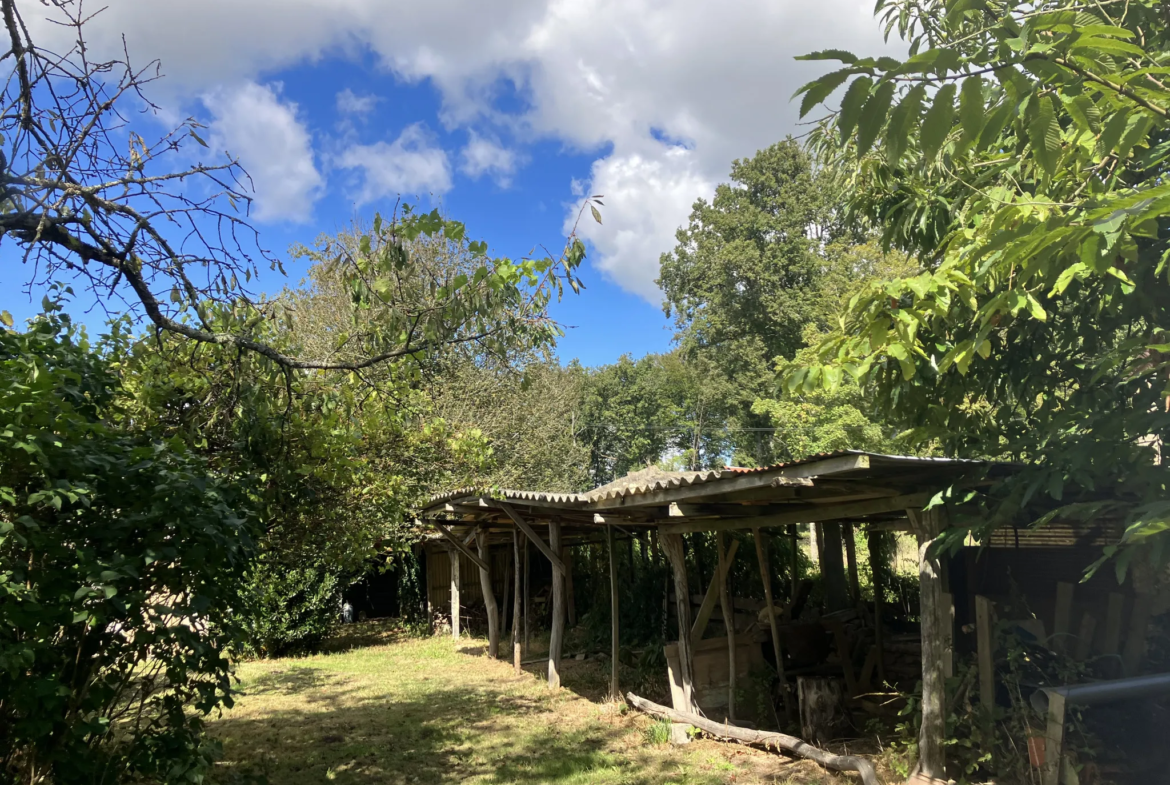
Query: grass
point(386, 708)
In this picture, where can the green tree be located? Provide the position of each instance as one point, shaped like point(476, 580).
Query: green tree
point(1021, 154)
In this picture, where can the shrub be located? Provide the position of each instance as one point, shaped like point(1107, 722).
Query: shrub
point(120, 556)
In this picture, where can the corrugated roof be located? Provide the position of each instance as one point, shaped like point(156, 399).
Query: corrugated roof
point(653, 479)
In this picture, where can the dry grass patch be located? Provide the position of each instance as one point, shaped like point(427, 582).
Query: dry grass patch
point(391, 709)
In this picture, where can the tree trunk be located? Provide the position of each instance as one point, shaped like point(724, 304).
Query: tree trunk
point(823, 716)
point(928, 525)
point(489, 597)
point(878, 568)
point(672, 546)
point(833, 568)
point(557, 635)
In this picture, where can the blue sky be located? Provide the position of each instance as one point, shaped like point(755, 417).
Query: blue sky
point(502, 114)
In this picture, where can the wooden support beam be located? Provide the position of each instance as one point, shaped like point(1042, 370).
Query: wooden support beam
point(878, 569)
point(808, 513)
point(570, 593)
point(710, 598)
point(516, 609)
point(985, 640)
point(672, 545)
point(527, 605)
point(1134, 655)
point(1112, 643)
point(728, 623)
point(489, 596)
point(455, 582)
point(1062, 623)
point(773, 624)
point(458, 545)
point(848, 534)
point(614, 691)
point(833, 581)
point(557, 634)
point(1054, 740)
point(928, 525)
point(550, 553)
point(1085, 637)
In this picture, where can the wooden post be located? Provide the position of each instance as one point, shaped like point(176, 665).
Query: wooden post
point(1062, 623)
point(985, 635)
point(814, 544)
point(455, 581)
point(725, 604)
point(570, 595)
point(1054, 741)
point(1085, 637)
point(527, 648)
point(712, 596)
point(851, 562)
point(506, 607)
point(557, 635)
point(928, 525)
point(1134, 655)
point(672, 546)
point(614, 691)
point(878, 568)
point(773, 625)
point(516, 654)
point(1112, 643)
point(489, 597)
point(833, 568)
point(794, 566)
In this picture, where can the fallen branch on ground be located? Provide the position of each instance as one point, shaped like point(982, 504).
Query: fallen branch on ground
point(764, 738)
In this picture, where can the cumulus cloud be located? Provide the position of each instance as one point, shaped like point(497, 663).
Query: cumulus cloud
point(619, 76)
point(411, 164)
point(349, 102)
point(252, 123)
point(483, 156)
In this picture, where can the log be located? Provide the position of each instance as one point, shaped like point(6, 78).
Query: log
point(489, 597)
point(763, 738)
point(557, 635)
point(823, 716)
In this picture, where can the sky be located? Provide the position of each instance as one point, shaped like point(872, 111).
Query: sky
point(503, 114)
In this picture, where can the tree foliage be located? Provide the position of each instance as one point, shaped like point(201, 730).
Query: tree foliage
point(1020, 153)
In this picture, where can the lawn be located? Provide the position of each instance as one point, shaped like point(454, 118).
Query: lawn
point(394, 709)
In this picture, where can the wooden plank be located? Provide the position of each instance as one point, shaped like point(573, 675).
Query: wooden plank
point(459, 546)
point(549, 553)
point(455, 581)
point(928, 525)
point(1062, 623)
point(1053, 741)
point(773, 623)
point(728, 622)
point(614, 691)
point(1111, 645)
point(489, 597)
point(1085, 637)
point(710, 598)
point(811, 513)
point(516, 609)
point(746, 482)
point(1135, 645)
point(557, 634)
point(672, 546)
point(985, 635)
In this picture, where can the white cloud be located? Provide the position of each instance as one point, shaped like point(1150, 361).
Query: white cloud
point(255, 126)
point(483, 156)
point(613, 75)
point(411, 164)
point(349, 102)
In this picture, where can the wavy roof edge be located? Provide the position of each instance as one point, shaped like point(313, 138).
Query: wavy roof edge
point(671, 480)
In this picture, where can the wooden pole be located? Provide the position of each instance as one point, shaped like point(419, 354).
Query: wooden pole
point(516, 654)
point(489, 597)
point(794, 566)
point(878, 568)
point(506, 607)
point(712, 596)
point(614, 691)
point(557, 634)
point(455, 581)
point(672, 546)
point(570, 594)
point(773, 624)
point(729, 623)
point(833, 579)
point(985, 641)
point(527, 603)
point(928, 525)
point(851, 562)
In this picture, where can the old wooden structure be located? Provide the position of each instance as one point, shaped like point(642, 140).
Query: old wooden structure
point(490, 536)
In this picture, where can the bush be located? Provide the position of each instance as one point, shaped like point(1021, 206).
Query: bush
point(290, 609)
point(120, 556)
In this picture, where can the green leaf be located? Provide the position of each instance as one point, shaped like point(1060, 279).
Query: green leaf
point(851, 106)
point(596, 213)
point(937, 123)
point(903, 121)
point(1084, 112)
point(873, 116)
point(1094, 45)
point(971, 115)
point(818, 91)
point(831, 54)
point(5, 318)
point(1114, 129)
point(1036, 309)
point(1044, 133)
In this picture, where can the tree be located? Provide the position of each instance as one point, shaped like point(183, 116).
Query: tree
point(84, 194)
point(1021, 154)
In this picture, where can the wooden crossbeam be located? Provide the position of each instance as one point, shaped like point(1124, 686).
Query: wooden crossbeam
point(537, 540)
point(712, 596)
point(457, 544)
point(812, 513)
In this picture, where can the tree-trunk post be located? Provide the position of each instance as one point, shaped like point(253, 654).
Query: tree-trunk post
point(877, 567)
point(672, 546)
point(833, 568)
point(794, 557)
point(726, 605)
point(556, 636)
point(527, 648)
point(570, 595)
point(489, 597)
point(773, 624)
point(516, 612)
point(614, 691)
point(928, 525)
point(847, 532)
point(455, 582)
